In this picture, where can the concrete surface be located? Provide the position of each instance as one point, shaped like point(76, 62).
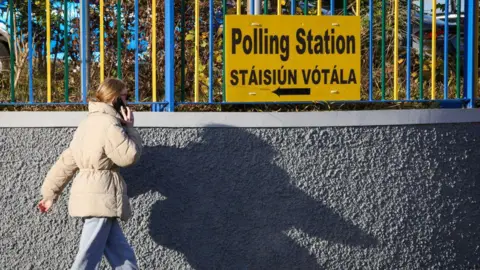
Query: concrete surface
point(380, 197)
point(255, 119)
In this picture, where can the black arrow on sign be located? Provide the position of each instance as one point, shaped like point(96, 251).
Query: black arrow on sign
point(292, 91)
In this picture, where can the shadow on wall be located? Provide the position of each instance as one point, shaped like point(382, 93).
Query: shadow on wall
point(228, 206)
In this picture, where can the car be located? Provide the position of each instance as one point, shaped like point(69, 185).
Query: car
point(441, 22)
point(427, 25)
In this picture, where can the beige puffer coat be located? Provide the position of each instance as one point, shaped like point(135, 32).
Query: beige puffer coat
point(99, 147)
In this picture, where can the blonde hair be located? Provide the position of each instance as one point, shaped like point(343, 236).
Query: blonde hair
point(109, 89)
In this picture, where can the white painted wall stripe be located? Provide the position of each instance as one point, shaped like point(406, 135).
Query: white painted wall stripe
point(254, 120)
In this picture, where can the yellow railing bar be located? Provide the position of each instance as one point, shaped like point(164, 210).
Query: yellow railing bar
point(434, 48)
point(395, 45)
point(154, 50)
point(102, 42)
point(197, 48)
point(49, 62)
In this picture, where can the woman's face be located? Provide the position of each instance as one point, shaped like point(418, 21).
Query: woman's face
point(124, 95)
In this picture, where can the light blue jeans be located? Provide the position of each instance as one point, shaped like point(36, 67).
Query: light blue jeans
point(104, 236)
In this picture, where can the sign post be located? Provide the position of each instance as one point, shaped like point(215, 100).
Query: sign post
point(292, 58)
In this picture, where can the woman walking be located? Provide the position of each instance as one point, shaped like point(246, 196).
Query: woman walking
point(103, 142)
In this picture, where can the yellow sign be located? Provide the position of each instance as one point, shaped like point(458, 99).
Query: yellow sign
point(292, 58)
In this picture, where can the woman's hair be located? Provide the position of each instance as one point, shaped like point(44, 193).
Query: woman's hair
point(109, 89)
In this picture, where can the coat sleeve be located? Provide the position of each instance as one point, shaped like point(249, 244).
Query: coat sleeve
point(123, 146)
point(59, 175)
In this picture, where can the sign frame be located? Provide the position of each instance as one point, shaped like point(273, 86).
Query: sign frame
point(291, 59)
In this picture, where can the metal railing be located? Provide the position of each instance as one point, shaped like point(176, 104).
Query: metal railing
point(432, 59)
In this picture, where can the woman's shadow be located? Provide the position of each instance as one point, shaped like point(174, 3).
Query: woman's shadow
point(228, 206)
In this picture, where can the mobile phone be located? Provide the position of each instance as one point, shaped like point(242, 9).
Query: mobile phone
point(118, 104)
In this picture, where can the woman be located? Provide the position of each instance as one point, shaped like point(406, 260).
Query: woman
point(103, 142)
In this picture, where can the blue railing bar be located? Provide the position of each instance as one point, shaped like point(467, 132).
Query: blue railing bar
point(84, 48)
point(252, 7)
point(463, 100)
point(30, 50)
point(40, 103)
point(71, 103)
point(329, 102)
point(159, 107)
point(293, 7)
point(170, 55)
point(147, 103)
point(332, 7)
point(137, 94)
point(465, 49)
point(210, 57)
point(409, 49)
point(370, 52)
point(445, 54)
point(470, 35)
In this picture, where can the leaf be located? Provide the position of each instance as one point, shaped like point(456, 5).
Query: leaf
point(219, 59)
point(189, 37)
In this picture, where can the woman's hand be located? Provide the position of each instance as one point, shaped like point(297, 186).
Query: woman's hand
point(128, 119)
point(45, 205)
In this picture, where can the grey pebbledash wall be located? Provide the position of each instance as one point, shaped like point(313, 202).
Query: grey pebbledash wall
point(283, 193)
